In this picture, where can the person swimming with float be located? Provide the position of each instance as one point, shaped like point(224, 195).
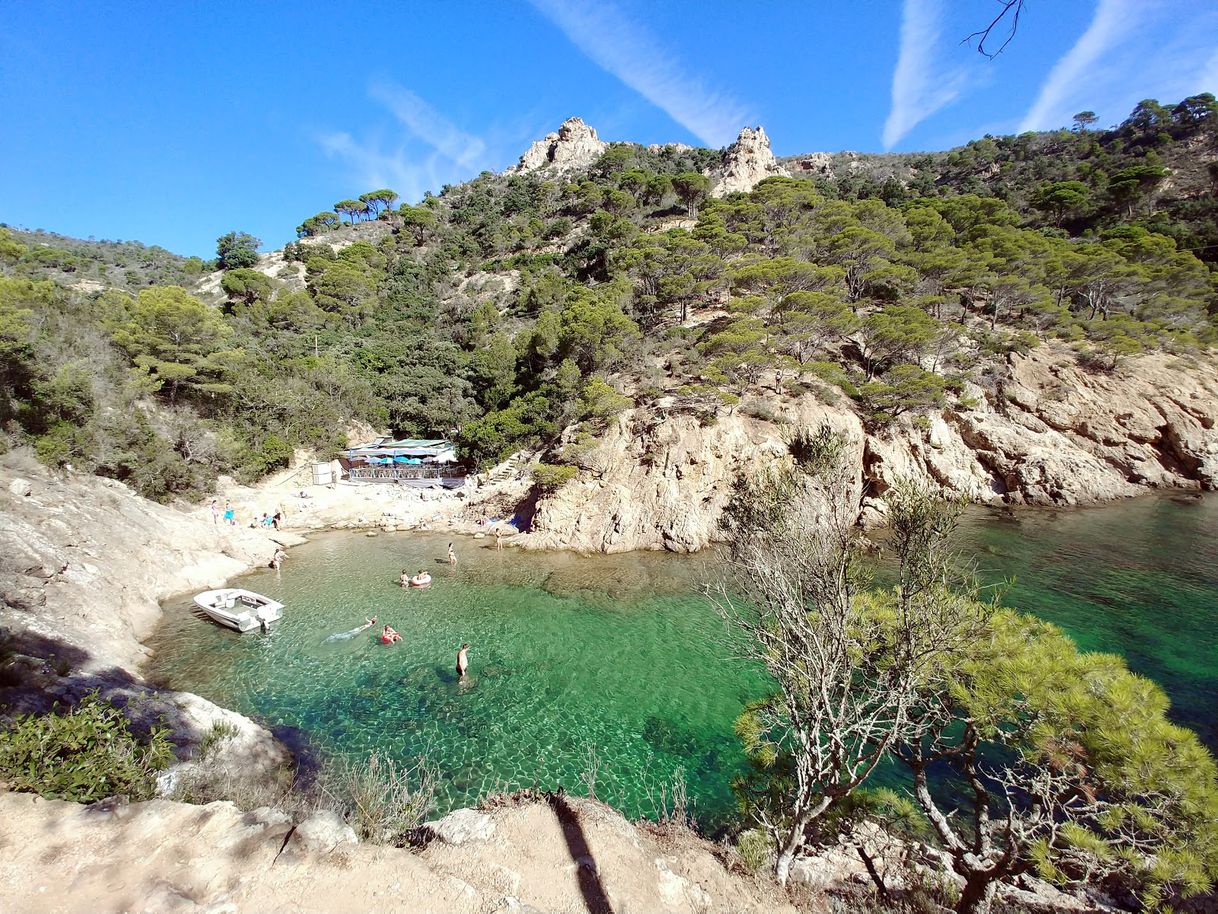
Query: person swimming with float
point(343, 636)
point(389, 636)
point(422, 579)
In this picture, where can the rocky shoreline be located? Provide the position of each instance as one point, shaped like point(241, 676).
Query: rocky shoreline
point(84, 564)
point(1056, 435)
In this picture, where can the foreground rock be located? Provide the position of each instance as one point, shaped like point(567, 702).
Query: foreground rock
point(1054, 434)
point(568, 855)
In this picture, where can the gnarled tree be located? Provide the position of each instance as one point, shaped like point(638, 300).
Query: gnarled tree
point(848, 664)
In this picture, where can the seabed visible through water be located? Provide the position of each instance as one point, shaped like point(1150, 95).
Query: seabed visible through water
point(618, 664)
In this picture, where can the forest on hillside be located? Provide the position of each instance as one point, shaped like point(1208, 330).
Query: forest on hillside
point(526, 310)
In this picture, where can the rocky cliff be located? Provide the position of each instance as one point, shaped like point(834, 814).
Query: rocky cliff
point(84, 562)
point(1051, 433)
point(574, 145)
point(746, 163)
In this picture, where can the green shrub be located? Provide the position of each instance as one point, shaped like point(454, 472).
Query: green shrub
point(63, 443)
point(220, 732)
point(755, 849)
point(86, 754)
point(550, 478)
point(381, 800)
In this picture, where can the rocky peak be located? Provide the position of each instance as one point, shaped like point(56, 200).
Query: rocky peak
point(746, 163)
point(573, 145)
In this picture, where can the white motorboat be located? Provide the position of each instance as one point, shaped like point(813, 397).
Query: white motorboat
point(242, 610)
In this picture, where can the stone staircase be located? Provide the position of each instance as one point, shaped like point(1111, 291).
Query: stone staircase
point(509, 469)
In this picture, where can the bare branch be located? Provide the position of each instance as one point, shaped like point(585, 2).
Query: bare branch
point(1010, 10)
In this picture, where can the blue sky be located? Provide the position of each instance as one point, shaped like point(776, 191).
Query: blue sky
point(174, 122)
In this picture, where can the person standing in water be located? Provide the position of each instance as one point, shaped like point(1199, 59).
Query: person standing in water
point(498, 540)
point(463, 660)
point(452, 556)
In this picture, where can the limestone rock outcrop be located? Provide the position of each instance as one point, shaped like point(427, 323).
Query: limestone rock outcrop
point(746, 163)
point(461, 826)
point(574, 145)
point(101, 558)
point(1052, 433)
point(662, 481)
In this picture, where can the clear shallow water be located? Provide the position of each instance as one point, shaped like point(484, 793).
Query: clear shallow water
point(569, 655)
point(618, 655)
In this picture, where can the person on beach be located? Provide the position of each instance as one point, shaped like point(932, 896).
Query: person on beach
point(277, 519)
point(452, 556)
point(498, 540)
point(229, 514)
point(389, 636)
point(463, 660)
point(215, 512)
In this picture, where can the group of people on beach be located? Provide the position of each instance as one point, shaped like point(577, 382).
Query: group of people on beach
point(229, 515)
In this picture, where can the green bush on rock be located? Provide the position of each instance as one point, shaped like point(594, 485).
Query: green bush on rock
point(85, 755)
point(550, 478)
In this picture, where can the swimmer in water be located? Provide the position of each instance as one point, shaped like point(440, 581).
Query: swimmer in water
point(452, 556)
point(463, 660)
point(404, 578)
point(343, 636)
point(389, 636)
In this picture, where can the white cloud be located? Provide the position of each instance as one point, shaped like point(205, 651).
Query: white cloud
point(917, 90)
point(1208, 80)
point(429, 125)
point(1132, 49)
point(1114, 20)
point(630, 52)
point(428, 151)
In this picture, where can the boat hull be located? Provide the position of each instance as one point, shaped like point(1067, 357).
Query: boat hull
point(241, 610)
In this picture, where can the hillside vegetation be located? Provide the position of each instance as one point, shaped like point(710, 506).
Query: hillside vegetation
point(515, 306)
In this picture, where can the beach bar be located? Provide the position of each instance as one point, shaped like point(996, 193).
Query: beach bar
point(417, 462)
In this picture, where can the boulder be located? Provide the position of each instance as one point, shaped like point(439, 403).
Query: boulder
point(21, 488)
point(320, 834)
point(462, 826)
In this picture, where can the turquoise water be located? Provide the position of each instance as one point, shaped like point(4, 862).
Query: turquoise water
point(574, 661)
point(1137, 578)
point(618, 658)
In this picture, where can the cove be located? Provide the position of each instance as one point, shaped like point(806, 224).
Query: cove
point(617, 663)
point(607, 662)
